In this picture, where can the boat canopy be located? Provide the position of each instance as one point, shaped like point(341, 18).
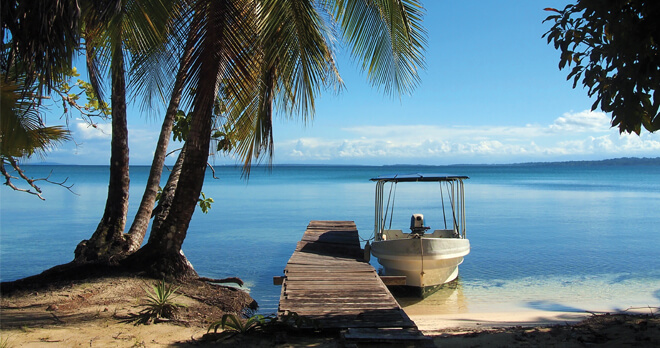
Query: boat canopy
point(454, 191)
point(418, 177)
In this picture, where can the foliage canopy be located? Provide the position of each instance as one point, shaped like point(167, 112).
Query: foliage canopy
point(613, 47)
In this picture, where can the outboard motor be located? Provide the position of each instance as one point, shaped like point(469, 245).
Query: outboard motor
point(417, 224)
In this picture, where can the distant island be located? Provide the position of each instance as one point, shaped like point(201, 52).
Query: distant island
point(607, 162)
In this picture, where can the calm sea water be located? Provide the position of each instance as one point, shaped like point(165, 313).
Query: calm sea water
point(543, 236)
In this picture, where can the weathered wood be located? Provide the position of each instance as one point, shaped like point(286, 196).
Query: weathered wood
point(320, 269)
point(354, 308)
point(325, 287)
point(334, 249)
point(325, 223)
point(342, 277)
point(327, 279)
point(339, 281)
point(344, 302)
point(314, 296)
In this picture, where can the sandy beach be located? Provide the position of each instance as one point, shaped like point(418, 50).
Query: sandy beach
point(431, 323)
point(93, 314)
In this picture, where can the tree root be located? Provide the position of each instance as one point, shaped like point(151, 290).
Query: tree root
point(235, 280)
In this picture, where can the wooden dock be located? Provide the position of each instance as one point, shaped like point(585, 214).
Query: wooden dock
point(327, 280)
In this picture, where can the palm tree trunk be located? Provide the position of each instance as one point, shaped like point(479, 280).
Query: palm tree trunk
point(162, 255)
point(108, 239)
point(141, 222)
point(167, 196)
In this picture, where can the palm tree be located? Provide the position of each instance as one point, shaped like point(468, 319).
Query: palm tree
point(111, 28)
point(275, 53)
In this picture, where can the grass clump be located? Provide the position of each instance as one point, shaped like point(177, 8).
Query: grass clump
point(159, 304)
point(233, 325)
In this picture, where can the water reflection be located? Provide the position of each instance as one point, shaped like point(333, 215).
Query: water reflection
point(449, 299)
point(551, 306)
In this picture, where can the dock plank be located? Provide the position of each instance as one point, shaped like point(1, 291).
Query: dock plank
point(327, 279)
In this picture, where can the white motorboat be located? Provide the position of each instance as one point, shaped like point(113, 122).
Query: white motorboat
point(426, 258)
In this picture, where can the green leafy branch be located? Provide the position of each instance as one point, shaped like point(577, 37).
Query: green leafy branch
point(71, 93)
point(203, 202)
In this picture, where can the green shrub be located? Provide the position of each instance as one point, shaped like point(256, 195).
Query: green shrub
point(231, 324)
point(159, 303)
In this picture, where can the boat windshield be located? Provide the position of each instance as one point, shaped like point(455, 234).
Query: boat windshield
point(443, 202)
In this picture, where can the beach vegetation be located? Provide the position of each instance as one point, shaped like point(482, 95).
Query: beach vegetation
point(138, 342)
point(612, 48)
point(4, 342)
point(23, 134)
point(160, 302)
point(231, 324)
point(204, 203)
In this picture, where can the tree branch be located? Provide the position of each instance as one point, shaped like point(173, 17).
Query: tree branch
point(212, 170)
point(31, 182)
point(10, 184)
point(234, 280)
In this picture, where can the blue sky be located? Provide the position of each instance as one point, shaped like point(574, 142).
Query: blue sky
point(492, 93)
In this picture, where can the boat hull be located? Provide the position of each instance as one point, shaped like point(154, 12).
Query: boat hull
point(426, 263)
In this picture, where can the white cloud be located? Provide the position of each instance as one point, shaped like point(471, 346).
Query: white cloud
point(91, 145)
point(585, 134)
point(644, 142)
point(582, 135)
point(585, 121)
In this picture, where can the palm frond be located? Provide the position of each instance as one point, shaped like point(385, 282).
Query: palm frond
point(291, 64)
point(152, 71)
point(387, 37)
point(295, 48)
point(150, 39)
point(43, 37)
point(22, 132)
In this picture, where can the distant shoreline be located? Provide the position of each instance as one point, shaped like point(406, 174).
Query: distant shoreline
point(605, 162)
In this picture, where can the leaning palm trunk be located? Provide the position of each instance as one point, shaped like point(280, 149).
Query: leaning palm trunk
point(153, 256)
point(112, 28)
point(162, 255)
point(167, 196)
point(141, 222)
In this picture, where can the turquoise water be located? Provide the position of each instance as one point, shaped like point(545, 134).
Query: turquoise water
point(543, 236)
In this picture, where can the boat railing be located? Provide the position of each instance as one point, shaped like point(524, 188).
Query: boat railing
point(456, 195)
